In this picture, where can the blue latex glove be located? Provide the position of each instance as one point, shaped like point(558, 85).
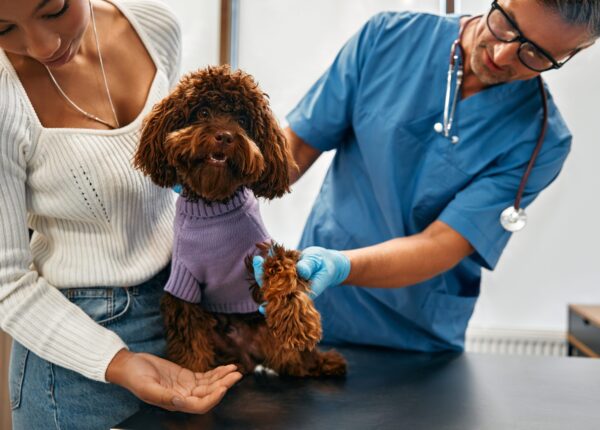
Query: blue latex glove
point(177, 188)
point(322, 267)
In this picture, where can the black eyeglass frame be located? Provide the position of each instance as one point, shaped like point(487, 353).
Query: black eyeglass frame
point(522, 40)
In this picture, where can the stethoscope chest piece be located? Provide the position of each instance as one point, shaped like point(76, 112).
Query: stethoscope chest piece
point(512, 219)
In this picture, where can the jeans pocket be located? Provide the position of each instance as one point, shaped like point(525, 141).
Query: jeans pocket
point(104, 305)
point(18, 364)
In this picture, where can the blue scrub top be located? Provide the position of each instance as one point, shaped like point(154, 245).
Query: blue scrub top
point(393, 175)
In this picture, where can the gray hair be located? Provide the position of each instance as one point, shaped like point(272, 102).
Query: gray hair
point(585, 13)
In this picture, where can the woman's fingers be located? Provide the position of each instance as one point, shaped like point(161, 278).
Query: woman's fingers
point(169, 386)
point(198, 400)
point(199, 404)
point(205, 388)
point(215, 374)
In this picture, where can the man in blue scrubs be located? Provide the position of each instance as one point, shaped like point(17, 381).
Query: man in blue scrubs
point(415, 214)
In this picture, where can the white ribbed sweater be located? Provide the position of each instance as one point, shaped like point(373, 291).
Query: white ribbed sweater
point(97, 221)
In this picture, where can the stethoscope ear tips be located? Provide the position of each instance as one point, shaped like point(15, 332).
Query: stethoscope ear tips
point(512, 219)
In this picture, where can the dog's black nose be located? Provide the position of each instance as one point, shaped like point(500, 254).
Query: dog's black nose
point(224, 137)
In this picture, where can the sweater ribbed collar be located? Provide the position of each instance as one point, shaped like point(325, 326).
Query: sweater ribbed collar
point(203, 209)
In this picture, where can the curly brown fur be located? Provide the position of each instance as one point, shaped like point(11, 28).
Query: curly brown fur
point(213, 134)
point(188, 332)
point(199, 341)
point(255, 290)
point(293, 322)
point(291, 315)
point(305, 363)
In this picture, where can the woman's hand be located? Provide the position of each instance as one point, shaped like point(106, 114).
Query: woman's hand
point(169, 386)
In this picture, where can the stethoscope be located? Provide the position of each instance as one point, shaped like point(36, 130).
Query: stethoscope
point(513, 218)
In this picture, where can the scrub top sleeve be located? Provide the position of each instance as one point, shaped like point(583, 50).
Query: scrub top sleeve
point(324, 115)
point(475, 211)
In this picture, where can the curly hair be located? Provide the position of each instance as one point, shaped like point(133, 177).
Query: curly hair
point(208, 109)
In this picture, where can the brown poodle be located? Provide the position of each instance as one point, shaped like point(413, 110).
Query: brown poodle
point(216, 136)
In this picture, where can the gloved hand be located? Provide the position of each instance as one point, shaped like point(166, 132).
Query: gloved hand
point(322, 267)
point(178, 188)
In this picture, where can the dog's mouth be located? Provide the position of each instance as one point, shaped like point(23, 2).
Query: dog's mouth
point(216, 159)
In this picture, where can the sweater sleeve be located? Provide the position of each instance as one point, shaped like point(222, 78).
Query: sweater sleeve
point(34, 313)
point(182, 284)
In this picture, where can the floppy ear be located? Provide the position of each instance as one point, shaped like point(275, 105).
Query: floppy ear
point(151, 156)
point(274, 181)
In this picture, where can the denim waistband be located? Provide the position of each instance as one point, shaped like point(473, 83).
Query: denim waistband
point(158, 280)
point(107, 305)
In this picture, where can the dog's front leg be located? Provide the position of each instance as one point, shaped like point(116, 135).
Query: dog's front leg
point(290, 312)
point(313, 363)
point(189, 334)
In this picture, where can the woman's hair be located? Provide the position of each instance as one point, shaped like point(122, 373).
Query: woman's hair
point(578, 12)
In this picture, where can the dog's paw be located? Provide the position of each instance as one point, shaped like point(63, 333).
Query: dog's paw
point(264, 371)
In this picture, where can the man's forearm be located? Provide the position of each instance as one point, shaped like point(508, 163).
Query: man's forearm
point(407, 260)
point(304, 154)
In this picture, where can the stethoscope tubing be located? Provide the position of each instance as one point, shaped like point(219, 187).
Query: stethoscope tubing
point(538, 145)
point(513, 218)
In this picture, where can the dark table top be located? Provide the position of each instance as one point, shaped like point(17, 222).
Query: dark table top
point(387, 389)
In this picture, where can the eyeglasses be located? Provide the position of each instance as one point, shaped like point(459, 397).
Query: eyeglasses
point(503, 28)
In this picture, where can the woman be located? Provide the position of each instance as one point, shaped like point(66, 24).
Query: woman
point(81, 299)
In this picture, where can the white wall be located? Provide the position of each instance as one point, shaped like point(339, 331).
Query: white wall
point(200, 31)
point(286, 45)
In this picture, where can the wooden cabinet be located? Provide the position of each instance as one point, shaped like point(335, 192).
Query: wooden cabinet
point(5, 343)
point(584, 330)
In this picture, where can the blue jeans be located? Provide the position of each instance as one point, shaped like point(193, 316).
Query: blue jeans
point(46, 396)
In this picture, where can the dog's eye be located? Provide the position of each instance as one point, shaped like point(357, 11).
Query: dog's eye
point(204, 113)
point(242, 121)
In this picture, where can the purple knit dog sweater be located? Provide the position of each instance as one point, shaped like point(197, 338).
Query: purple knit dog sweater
point(211, 242)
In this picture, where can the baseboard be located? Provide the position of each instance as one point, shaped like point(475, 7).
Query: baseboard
point(516, 341)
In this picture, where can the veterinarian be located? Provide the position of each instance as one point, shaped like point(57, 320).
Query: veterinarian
point(81, 300)
point(408, 214)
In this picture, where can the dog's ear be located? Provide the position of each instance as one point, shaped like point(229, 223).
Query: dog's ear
point(151, 156)
point(274, 181)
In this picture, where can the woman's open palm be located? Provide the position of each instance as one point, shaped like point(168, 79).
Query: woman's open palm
point(165, 384)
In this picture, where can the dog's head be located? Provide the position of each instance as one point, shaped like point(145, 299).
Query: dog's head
point(213, 134)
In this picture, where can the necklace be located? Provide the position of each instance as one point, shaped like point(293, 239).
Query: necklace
point(72, 103)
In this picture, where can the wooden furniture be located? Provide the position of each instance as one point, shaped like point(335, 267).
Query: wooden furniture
point(5, 343)
point(584, 330)
point(387, 389)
